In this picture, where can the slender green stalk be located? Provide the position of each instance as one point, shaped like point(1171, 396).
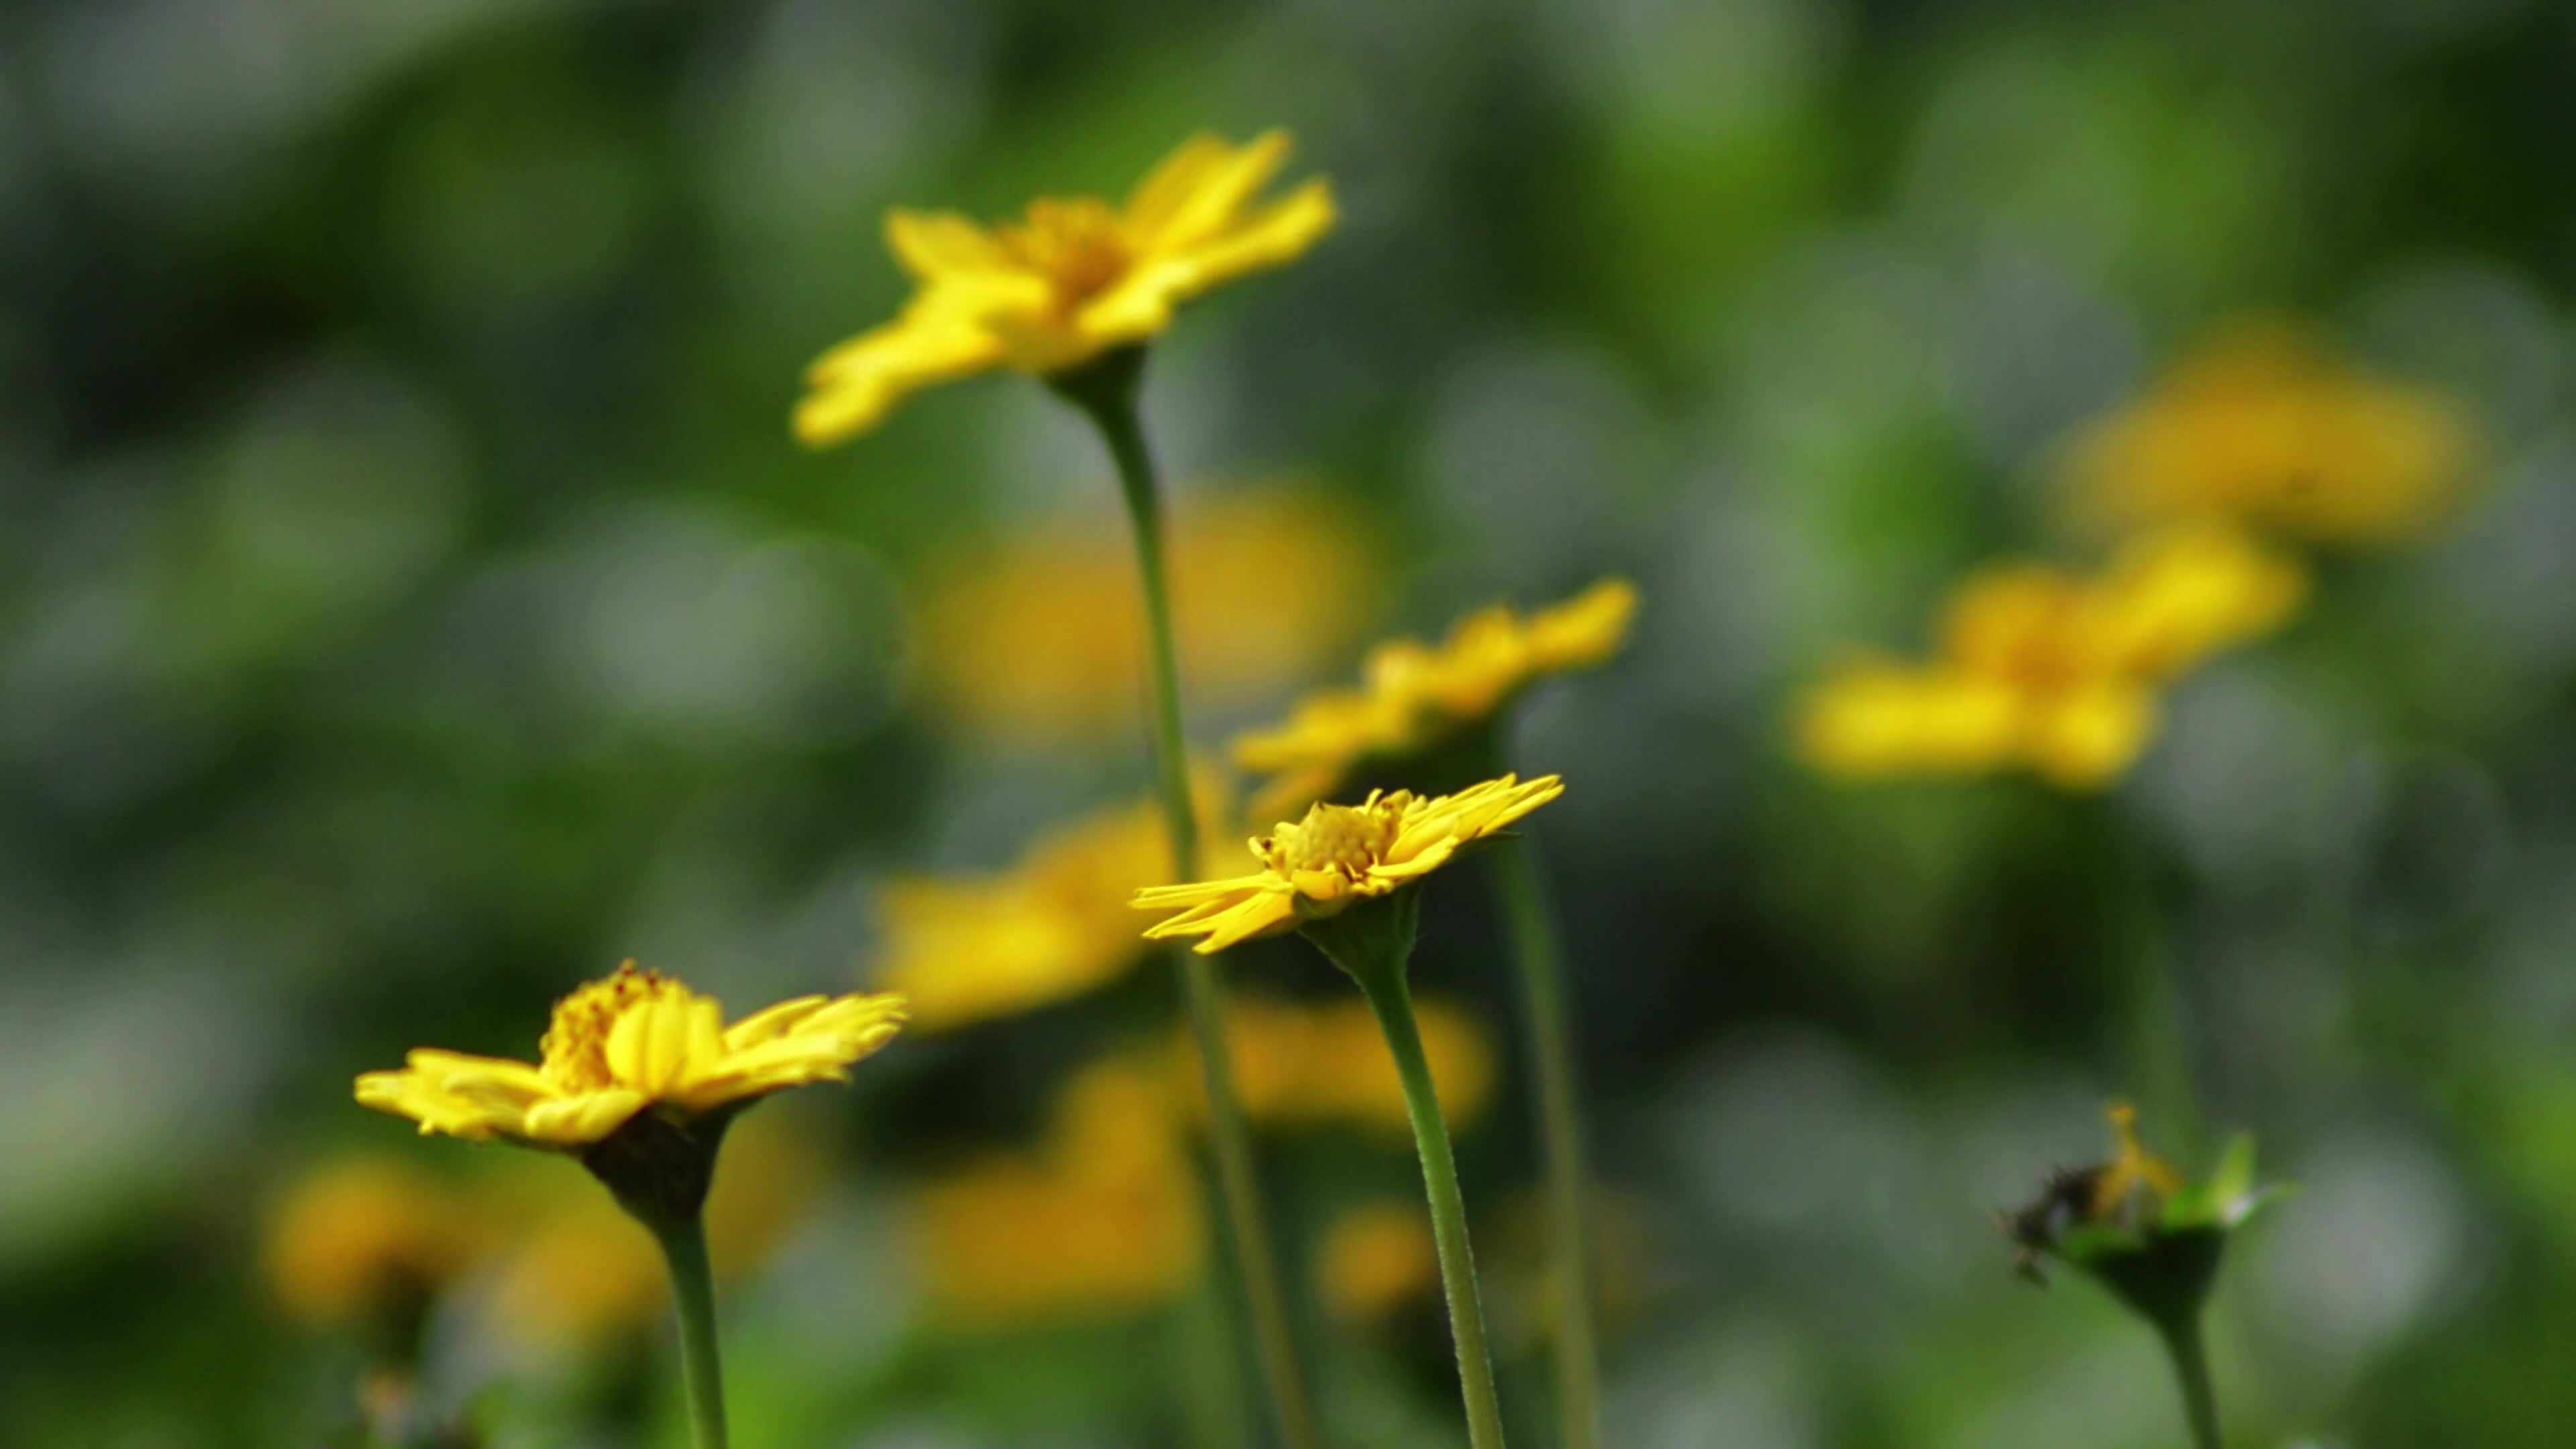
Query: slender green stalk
point(1106, 393)
point(693, 1293)
point(2182, 1340)
point(1531, 925)
point(1377, 962)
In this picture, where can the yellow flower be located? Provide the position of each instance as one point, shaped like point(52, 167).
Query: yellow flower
point(363, 1234)
point(1375, 1259)
point(2041, 669)
point(2265, 427)
point(1414, 694)
point(1046, 634)
point(1069, 281)
point(581, 1272)
point(632, 1041)
point(1053, 927)
point(1103, 1219)
point(1340, 854)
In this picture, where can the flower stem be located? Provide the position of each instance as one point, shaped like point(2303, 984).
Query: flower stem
point(1105, 391)
point(1532, 927)
point(1376, 960)
point(693, 1293)
point(2182, 1339)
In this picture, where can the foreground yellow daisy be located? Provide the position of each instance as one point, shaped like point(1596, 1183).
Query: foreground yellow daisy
point(1340, 876)
point(1414, 695)
point(639, 1076)
point(1070, 280)
point(1340, 854)
point(634, 1040)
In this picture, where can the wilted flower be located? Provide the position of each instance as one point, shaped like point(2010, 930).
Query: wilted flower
point(2043, 669)
point(2137, 1224)
point(1414, 695)
point(1341, 854)
point(1069, 281)
point(2264, 426)
point(1044, 635)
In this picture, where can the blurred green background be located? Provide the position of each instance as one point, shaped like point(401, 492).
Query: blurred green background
point(411, 603)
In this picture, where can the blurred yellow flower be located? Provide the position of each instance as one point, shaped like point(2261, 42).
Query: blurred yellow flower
point(1046, 635)
point(631, 1041)
point(1302, 1066)
point(964, 950)
point(1375, 1259)
point(580, 1272)
point(1340, 854)
point(2044, 670)
point(1103, 1219)
point(2266, 427)
point(1069, 281)
point(1415, 694)
point(365, 1234)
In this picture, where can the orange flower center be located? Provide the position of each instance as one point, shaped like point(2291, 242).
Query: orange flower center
point(574, 1050)
point(1079, 246)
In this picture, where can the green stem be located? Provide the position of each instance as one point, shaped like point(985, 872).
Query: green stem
point(2182, 1340)
point(1105, 391)
point(1377, 963)
point(693, 1293)
point(1531, 925)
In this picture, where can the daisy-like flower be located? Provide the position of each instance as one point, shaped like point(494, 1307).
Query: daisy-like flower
point(967, 949)
point(1339, 855)
point(1413, 694)
point(2264, 425)
point(1069, 281)
point(2045, 669)
point(632, 1041)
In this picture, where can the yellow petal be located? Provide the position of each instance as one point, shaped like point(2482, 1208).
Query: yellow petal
point(583, 1118)
point(770, 1023)
point(859, 382)
point(1167, 897)
point(2089, 736)
point(1278, 234)
point(930, 244)
point(1220, 191)
point(1173, 181)
point(654, 1044)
